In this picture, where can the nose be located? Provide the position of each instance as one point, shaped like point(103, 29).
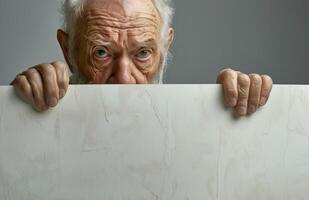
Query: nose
point(122, 72)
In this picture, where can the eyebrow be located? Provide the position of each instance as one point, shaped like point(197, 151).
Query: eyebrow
point(99, 41)
point(146, 43)
point(136, 44)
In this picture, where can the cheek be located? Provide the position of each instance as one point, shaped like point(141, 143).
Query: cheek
point(98, 70)
point(155, 64)
point(96, 76)
point(93, 73)
point(153, 68)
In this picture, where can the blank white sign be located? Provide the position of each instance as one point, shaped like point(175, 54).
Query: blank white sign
point(156, 142)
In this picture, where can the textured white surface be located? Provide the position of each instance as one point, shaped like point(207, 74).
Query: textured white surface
point(171, 142)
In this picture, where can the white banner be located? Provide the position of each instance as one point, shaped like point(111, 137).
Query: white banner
point(155, 142)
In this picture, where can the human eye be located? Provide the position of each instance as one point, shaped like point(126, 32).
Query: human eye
point(144, 54)
point(101, 53)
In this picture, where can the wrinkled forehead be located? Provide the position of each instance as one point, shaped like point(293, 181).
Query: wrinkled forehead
point(124, 8)
point(138, 20)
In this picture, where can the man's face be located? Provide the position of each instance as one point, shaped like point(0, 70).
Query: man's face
point(118, 41)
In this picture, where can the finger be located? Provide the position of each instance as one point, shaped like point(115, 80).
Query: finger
point(35, 81)
point(243, 83)
point(255, 92)
point(23, 89)
point(51, 90)
point(267, 84)
point(228, 78)
point(62, 77)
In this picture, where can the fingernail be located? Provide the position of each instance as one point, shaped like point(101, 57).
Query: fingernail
point(61, 93)
point(242, 110)
point(232, 101)
point(251, 109)
point(52, 102)
point(263, 101)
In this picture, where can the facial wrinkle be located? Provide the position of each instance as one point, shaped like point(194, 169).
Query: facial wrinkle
point(114, 16)
point(109, 34)
point(100, 18)
point(123, 39)
point(99, 26)
point(125, 31)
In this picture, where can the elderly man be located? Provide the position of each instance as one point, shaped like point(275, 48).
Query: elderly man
point(122, 42)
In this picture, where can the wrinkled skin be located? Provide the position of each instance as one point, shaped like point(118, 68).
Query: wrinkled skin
point(119, 42)
point(131, 34)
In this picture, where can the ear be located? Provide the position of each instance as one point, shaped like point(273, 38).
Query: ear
point(63, 39)
point(169, 39)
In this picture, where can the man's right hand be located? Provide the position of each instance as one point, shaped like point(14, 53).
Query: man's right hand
point(42, 86)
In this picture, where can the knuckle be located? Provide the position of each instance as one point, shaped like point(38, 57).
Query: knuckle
point(59, 65)
point(21, 84)
point(19, 80)
point(243, 80)
point(226, 75)
point(227, 72)
point(28, 72)
point(31, 73)
point(229, 75)
point(39, 67)
point(267, 78)
point(255, 79)
point(46, 69)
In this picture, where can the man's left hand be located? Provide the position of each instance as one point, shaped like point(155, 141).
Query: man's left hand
point(245, 93)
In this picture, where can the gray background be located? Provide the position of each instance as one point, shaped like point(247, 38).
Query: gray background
point(263, 36)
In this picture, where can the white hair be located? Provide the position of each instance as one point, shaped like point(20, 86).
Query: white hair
point(72, 9)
